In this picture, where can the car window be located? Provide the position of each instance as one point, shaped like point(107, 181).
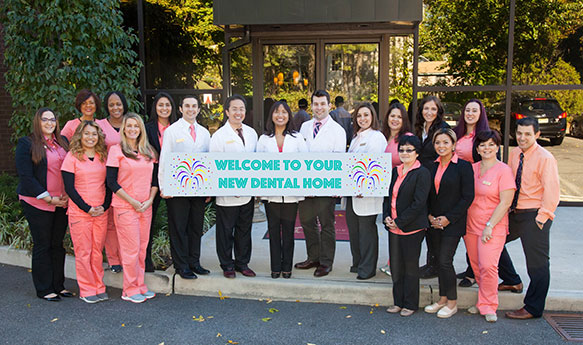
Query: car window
point(540, 105)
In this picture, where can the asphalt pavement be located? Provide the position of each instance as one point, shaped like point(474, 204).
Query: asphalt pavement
point(180, 319)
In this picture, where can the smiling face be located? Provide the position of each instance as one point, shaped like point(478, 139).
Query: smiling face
point(48, 123)
point(526, 137)
point(115, 106)
point(472, 114)
point(320, 107)
point(407, 154)
point(443, 145)
point(429, 112)
point(395, 120)
point(164, 108)
point(88, 108)
point(189, 109)
point(364, 118)
point(132, 129)
point(89, 137)
point(488, 149)
point(280, 116)
point(236, 113)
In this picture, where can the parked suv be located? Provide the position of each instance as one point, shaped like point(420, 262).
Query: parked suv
point(551, 118)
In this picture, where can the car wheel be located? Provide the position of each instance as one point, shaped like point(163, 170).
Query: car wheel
point(557, 141)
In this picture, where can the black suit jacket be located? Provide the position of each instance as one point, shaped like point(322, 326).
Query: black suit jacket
point(428, 154)
point(411, 200)
point(456, 193)
point(152, 132)
point(32, 177)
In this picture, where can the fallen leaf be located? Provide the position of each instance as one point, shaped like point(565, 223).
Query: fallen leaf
point(485, 332)
point(348, 316)
point(123, 324)
point(199, 319)
point(139, 326)
point(210, 317)
point(299, 323)
point(162, 343)
point(376, 305)
point(383, 331)
point(297, 300)
point(273, 310)
point(265, 319)
point(232, 342)
point(29, 270)
point(55, 319)
point(310, 344)
point(342, 307)
point(28, 305)
point(168, 294)
point(219, 335)
point(269, 300)
point(370, 312)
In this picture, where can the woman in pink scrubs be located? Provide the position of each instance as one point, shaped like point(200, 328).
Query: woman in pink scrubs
point(474, 120)
point(395, 124)
point(87, 103)
point(162, 115)
point(84, 174)
point(487, 225)
point(131, 167)
point(115, 107)
point(42, 195)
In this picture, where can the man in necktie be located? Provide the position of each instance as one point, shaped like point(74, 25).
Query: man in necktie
point(530, 219)
point(322, 134)
point(185, 214)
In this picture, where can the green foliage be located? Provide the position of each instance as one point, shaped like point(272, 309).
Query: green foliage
point(55, 48)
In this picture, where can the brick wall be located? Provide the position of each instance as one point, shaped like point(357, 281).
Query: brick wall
point(6, 151)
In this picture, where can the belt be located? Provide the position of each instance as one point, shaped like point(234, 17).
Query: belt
point(525, 210)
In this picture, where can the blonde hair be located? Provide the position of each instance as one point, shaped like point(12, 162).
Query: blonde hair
point(144, 147)
point(447, 131)
point(76, 147)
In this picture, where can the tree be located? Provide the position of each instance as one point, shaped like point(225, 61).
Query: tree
point(54, 48)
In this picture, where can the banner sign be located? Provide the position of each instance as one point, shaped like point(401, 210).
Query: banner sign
point(277, 174)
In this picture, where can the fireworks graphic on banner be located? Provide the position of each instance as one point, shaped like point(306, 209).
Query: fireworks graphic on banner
point(190, 173)
point(366, 174)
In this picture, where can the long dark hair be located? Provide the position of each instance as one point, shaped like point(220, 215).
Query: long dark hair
point(154, 114)
point(38, 146)
point(420, 120)
point(289, 126)
point(405, 127)
point(482, 124)
point(374, 121)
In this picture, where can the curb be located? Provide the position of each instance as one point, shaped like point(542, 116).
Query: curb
point(301, 289)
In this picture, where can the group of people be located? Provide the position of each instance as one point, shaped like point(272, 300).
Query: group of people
point(101, 178)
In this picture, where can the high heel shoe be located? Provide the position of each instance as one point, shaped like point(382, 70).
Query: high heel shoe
point(275, 275)
point(286, 275)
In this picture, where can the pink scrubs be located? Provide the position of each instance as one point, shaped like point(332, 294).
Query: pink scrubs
point(112, 137)
point(87, 232)
point(484, 257)
point(70, 128)
point(135, 178)
point(392, 148)
point(465, 146)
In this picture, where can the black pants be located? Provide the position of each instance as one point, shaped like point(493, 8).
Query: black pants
point(404, 251)
point(149, 263)
point(48, 255)
point(446, 272)
point(535, 244)
point(185, 221)
point(281, 221)
point(320, 246)
point(432, 250)
point(234, 230)
point(364, 241)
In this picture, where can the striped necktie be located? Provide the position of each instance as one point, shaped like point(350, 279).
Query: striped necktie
point(317, 126)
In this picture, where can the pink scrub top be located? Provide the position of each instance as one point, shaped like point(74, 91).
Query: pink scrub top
point(398, 182)
point(70, 128)
point(134, 176)
point(161, 130)
point(487, 196)
point(55, 156)
point(392, 148)
point(464, 147)
point(89, 180)
point(112, 136)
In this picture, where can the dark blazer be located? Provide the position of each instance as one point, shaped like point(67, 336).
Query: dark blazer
point(456, 193)
point(428, 154)
point(152, 132)
point(32, 177)
point(411, 200)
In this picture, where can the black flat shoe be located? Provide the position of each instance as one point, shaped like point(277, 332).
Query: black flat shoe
point(286, 275)
point(54, 298)
point(364, 278)
point(200, 270)
point(66, 293)
point(467, 282)
point(275, 275)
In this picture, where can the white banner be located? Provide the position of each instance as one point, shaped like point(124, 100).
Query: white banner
point(277, 174)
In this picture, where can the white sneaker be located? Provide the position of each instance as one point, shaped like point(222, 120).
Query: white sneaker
point(137, 298)
point(149, 294)
point(473, 310)
point(491, 317)
point(386, 269)
point(445, 312)
point(433, 308)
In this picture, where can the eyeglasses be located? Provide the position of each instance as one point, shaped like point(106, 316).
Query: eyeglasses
point(406, 150)
point(52, 119)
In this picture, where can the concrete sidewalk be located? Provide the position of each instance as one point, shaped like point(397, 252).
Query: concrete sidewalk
point(341, 286)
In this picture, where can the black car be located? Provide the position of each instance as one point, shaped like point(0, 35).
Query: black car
point(551, 118)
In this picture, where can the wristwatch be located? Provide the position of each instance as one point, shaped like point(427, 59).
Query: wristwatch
point(489, 225)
